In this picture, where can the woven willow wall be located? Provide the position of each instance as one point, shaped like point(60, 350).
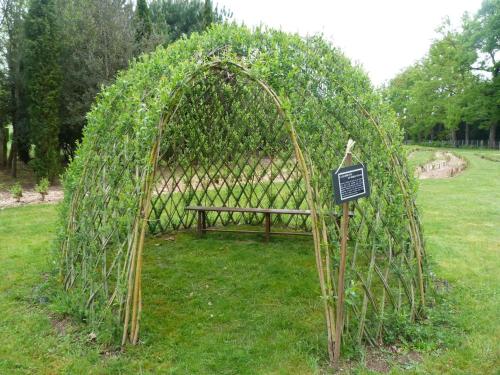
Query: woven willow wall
point(225, 144)
point(242, 119)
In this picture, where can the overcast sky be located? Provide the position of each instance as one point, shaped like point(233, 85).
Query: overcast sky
point(384, 36)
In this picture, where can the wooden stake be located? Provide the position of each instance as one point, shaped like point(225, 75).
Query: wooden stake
point(343, 253)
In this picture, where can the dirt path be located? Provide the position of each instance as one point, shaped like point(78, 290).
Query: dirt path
point(444, 165)
point(27, 180)
point(31, 197)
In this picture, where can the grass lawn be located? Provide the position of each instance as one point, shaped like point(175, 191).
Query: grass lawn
point(461, 217)
point(418, 156)
point(235, 305)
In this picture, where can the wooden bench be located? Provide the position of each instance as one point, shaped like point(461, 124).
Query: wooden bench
point(202, 218)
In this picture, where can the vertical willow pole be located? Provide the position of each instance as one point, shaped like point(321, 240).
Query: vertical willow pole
point(343, 254)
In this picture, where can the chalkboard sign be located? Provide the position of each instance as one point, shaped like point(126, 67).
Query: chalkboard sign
point(350, 183)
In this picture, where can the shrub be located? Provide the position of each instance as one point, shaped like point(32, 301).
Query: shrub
point(17, 191)
point(43, 187)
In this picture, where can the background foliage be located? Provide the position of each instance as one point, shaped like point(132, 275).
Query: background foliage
point(454, 91)
point(58, 54)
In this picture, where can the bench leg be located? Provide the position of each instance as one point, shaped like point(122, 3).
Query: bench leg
point(199, 224)
point(267, 224)
point(203, 221)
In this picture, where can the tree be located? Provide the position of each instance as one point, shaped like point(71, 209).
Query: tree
point(97, 40)
point(174, 18)
point(208, 14)
point(444, 90)
point(449, 75)
point(142, 20)
point(403, 95)
point(70, 49)
point(430, 94)
point(12, 48)
point(483, 32)
point(4, 118)
point(99, 37)
point(43, 81)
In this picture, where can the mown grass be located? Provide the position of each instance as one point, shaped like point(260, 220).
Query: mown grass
point(231, 304)
point(418, 156)
point(221, 304)
point(462, 227)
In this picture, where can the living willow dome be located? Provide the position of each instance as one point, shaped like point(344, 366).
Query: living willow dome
point(241, 118)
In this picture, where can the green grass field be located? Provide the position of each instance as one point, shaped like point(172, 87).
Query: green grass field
point(418, 156)
point(236, 305)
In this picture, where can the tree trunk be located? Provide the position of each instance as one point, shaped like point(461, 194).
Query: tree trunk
point(466, 134)
point(13, 153)
point(453, 136)
point(493, 133)
point(4, 133)
point(13, 159)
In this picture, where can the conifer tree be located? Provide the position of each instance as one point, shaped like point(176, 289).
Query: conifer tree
point(208, 14)
point(43, 81)
point(143, 23)
point(13, 14)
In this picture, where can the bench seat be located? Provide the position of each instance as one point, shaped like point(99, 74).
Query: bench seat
point(202, 221)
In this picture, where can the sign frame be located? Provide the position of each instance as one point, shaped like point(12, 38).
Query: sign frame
point(342, 181)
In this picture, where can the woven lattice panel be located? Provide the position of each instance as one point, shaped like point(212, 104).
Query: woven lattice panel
point(227, 146)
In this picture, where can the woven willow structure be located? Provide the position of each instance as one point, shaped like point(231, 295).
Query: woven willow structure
point(241, 119)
